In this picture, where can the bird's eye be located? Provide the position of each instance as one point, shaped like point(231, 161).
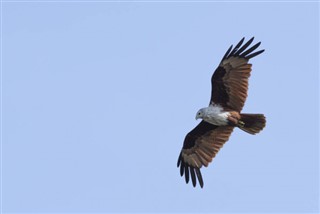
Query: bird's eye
point(199, 113)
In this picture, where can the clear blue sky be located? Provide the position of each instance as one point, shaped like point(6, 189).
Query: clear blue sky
point(98, 97)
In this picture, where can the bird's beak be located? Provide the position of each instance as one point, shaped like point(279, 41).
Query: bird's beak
point(197, 117)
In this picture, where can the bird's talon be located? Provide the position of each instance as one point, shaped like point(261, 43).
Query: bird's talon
point(241, 123)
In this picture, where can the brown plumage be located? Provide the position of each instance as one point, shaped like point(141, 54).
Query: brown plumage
point(228, 94)
point(252, 123)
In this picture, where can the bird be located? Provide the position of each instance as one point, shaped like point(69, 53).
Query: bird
point(229, 89)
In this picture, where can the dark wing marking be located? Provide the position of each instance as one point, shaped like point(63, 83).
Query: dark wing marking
point(230, 80)
point(199, 148)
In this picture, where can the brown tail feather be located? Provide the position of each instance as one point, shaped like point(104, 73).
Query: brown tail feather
point(252, 123)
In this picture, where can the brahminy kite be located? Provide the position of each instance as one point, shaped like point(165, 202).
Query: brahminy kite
point(229, 90)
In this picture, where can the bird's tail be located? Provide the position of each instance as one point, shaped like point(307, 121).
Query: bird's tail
point(252, 123)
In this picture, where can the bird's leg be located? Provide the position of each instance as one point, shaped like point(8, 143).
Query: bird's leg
point(240, 123)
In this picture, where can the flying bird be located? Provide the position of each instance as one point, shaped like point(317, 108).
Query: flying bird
point(229, 87)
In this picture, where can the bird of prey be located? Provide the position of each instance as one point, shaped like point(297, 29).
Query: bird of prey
point(229, 90)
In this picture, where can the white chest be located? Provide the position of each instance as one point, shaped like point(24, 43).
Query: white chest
point(216, 116)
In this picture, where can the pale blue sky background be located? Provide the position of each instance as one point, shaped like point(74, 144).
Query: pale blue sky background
point(97, 99)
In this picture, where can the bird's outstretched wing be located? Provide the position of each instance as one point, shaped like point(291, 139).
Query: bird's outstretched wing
point(199, 148)
point(230, 79)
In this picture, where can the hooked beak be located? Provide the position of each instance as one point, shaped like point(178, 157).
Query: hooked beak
point(197, 117)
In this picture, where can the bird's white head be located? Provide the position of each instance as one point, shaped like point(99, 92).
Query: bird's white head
point(200, 114)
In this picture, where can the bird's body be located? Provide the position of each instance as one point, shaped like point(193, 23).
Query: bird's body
point(228, 94)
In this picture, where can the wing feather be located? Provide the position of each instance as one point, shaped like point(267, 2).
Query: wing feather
point(227, 53)
point(201, 158)
point(193, 176)
point(254, 54)
point(237, 46)
point(199, 176)
point(230, 80)
point(186, 174)
point(182, 168)
point(250, 49)
point(244, 47)
point(200, 146)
